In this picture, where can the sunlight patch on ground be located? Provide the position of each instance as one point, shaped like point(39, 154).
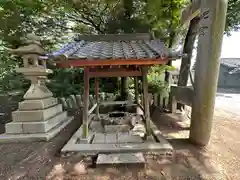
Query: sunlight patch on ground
point(57, 173)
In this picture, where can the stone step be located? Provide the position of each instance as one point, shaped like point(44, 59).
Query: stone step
point(115, 138)
point(11, 138)
point(118, 148)
point(121, 159)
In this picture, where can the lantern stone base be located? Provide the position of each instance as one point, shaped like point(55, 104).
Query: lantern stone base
point(36, 115)
point(37, 104)
point(35, 127)
point(33, 137)
point(36, 120)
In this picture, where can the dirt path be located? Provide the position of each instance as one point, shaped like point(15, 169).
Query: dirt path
point(225, 143)
point(220, 160)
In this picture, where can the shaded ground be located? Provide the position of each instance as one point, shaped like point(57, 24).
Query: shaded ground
point(220, 160)
point(7, 105)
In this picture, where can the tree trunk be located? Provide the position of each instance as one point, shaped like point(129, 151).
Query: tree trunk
point(188, 49)
point(166, 104)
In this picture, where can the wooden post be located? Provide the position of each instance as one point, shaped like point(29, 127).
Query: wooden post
point(146, 99)
point(212, 24)
point(97, 96)
point(123, 88)
point(85, 104)
point(96, 82)
point(173, 104)
point(136, 89)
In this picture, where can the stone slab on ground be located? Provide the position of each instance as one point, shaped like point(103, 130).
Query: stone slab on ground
point(10, 138)
point(77, 136)
point(121, 159)
point(157, 133)
point(138, 130)
point(115, 138)
point(39, 115)
point(96, 127)
point(76, 139)
point(116, 128)
point(37, 104)
point(118, 148)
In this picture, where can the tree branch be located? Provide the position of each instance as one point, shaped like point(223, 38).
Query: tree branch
point(97, 27)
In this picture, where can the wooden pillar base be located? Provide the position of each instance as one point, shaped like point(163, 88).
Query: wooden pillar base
point(146, 99)
point(136, 90)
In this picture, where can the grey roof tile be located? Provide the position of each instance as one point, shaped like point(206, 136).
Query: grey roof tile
point(117, 49)
point(230, 62)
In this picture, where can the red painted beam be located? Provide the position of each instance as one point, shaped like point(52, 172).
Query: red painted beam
point(115, 74)
point(108, 62)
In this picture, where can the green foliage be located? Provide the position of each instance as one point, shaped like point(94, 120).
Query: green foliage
point(9, 79)
point(156, 79)
point(55, 19)
point(233, 16)
point(63, 82)
point(13, 81)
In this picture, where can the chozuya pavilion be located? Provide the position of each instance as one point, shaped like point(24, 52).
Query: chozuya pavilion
point(40, 117)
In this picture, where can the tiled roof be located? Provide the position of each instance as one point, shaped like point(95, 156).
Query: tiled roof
point(230, 62)
point(105, 48)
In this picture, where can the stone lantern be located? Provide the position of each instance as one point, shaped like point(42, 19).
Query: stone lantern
point(34, 69)
point(39, 116)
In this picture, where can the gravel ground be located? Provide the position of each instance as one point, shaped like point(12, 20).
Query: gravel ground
point(219, 160)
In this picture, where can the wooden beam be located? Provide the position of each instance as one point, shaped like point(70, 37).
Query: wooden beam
point(98, 62)
point(182, 94)
point(212, 25)
point(191, 11)
point(92, 109)
point(114, 37)
point(85, 104)
point(113, 68)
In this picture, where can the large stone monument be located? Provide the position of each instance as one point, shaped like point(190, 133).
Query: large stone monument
point(39, 117)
